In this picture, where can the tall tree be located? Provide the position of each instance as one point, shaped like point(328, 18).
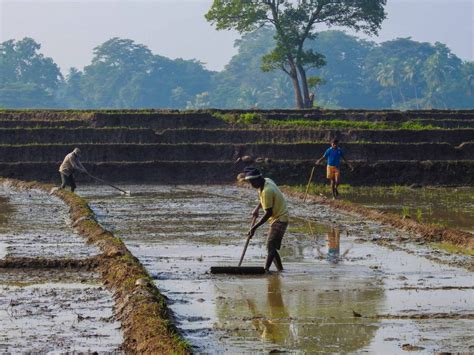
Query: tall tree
point(27, 77)
point(115, 65)
point(294, 23)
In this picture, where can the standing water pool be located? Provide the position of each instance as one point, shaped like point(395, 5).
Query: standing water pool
point(338, 293)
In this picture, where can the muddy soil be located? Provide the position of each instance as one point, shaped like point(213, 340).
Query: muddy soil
point(449, 206)
point(340, 292)
point(367, 152)
point(56, 311)
point(38, 226)
point(276, 135)
point(58, 305)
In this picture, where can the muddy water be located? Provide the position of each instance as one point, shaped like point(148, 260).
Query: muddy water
point(34, 224)
point(55, 311)
point(452, 207)
point(332, 275)
point(49, 310)
point(5, 213)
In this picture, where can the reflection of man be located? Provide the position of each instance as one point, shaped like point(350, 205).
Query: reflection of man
point(276, 212)
point(333, 246)
point(71, 164)
point(273, 326)
point(334, 250)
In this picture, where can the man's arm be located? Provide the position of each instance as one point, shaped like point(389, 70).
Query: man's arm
point(320, 160)
point(78, 165)
point(265, 217)
point(256, 210)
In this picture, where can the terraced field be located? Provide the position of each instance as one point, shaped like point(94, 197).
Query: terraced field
point(387, 147)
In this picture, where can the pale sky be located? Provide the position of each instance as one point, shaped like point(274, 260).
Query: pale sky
point(69, 30)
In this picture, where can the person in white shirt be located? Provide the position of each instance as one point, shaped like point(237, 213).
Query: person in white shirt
point(70, 165)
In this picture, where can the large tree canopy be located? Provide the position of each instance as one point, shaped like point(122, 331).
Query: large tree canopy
point(295, 22)
point(124, 74)
point(27, 77)
point(399, 74)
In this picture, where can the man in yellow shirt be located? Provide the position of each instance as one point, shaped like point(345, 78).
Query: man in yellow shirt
point(273, 203)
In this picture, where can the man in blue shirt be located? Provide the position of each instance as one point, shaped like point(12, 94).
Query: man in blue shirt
point(334, 154)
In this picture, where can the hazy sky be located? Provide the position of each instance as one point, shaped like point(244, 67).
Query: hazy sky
point(69, 30)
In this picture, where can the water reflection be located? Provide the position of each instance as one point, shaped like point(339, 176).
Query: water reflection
point(333, 242)
point(5, 211)
point(272, 328)
point(300, 313)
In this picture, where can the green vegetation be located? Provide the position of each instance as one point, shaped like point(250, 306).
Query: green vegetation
point(346, 124)
point(401, 74)
point(244, 118)
point(295, 24)
point(256, 118)
point(317, 189)
point(419, 215)
point(406, 212)
point(453, 249)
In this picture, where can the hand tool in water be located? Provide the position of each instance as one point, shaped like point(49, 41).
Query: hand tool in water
point(240, 270)
point(106, 183)
point(309, 182)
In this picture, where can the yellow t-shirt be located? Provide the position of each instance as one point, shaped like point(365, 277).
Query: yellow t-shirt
point(271, 197)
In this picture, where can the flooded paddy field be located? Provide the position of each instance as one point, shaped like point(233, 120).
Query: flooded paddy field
point(46, 307)
point(340, 291)
point(448, 206)
point(55, 311)
point(32, 224)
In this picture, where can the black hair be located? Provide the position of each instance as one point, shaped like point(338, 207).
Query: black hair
point(335, 141)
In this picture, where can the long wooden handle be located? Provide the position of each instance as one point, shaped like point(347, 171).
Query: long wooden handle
point(105, 182)
point(254, 220)
point(309, 182)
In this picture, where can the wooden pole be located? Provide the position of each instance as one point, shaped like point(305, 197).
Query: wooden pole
point(254, 219)
point(309, 182)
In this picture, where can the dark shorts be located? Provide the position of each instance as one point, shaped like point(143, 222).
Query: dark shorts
point(275, 235)
point(67, 180)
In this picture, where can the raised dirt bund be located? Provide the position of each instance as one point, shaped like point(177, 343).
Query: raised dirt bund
point(42, 124)
point(369, 152)
point(141, 309)
point(204, 146)
point(265, 135)
point(430, 173)
point(79, 135)
point(53, 135)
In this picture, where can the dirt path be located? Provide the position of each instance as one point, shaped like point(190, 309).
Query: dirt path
point(373, 299)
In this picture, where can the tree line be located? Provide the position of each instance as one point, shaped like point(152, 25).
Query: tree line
point(353, 73)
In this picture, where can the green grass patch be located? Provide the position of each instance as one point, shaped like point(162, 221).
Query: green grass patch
point(453, 249)
point(347, 124)
point(317, 189)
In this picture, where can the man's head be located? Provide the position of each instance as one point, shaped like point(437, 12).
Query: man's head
point(77, 152)
point(254, 176)
point(334, 143)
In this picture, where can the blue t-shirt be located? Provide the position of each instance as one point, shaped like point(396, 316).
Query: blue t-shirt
point(334, 156)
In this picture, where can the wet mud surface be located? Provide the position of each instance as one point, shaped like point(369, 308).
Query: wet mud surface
point(342, 291)
point(451, 207)
point(55, 311)
point(34, 224)
point(57, 306)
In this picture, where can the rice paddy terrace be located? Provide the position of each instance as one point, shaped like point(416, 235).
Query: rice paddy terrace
point(212, 146)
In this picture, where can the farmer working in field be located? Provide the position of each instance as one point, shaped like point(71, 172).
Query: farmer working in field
point(71, 164)
point(276, 212)
point(334, 154)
